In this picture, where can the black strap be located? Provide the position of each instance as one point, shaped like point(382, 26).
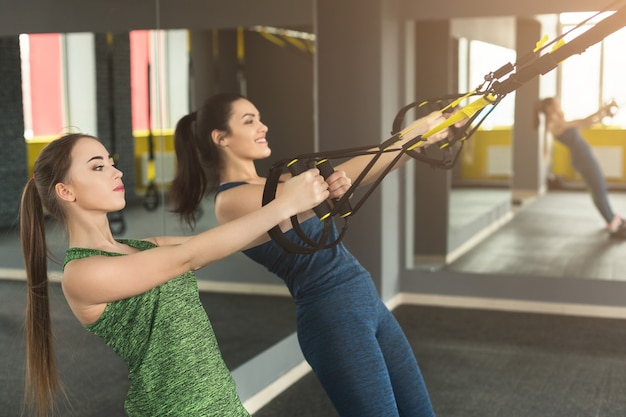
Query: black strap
point(493, 89)
point(325, 216)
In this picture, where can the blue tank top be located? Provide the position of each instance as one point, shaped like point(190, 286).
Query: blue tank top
point(306, 275)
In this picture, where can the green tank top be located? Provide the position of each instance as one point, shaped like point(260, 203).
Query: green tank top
point(175, 367)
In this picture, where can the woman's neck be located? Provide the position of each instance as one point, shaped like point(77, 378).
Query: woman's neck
point(235, 172)
point(91, 233)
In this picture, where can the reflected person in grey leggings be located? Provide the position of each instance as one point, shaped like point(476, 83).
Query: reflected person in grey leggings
point(582, 158)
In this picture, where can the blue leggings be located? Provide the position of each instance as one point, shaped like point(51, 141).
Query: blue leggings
point(360, 354)
point(584, 161)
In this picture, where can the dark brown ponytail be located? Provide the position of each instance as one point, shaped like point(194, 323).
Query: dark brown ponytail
point(190, 181)
point(51, 167)
point(198, 159)
point(41, 375)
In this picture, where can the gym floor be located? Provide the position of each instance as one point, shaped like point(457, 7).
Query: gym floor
point(475, 362)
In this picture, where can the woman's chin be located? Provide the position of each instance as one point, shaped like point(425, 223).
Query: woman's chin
point(266, 153)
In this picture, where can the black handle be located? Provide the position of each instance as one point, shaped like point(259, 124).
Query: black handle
point(297, 167)
point(326, 169)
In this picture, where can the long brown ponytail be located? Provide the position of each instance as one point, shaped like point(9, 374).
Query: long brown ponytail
point(198, 160)
point(41, 375)
point(190, 181)
point(51, 167)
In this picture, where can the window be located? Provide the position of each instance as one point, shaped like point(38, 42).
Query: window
point(483, 58)
point(597, 75)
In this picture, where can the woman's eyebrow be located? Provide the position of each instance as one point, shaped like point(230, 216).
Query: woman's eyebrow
point(94, 157)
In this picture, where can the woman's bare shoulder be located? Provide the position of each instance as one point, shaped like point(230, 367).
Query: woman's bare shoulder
point(238, 201)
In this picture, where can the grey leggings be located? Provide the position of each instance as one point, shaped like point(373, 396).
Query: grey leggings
point(584, 161)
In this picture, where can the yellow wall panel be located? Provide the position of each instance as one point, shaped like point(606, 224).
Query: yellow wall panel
point(163, 141)
point(474, 158)
point(475, 154)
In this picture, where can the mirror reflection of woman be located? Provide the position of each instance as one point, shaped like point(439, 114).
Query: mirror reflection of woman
point(351, 340)
point(568, 132)
point(140, 296)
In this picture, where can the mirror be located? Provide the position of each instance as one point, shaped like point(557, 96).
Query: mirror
point(126, 88)
point(140, 85)
point(566, 214)
point(480, 186)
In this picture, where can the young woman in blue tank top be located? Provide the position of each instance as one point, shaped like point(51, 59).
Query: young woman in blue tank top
point(140, 296)
point(348, 336)
point(582, 158)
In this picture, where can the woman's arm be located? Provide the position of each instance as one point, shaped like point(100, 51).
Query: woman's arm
point(247, 198)
point(354, 166)
point(586, 122)
point(340, 181)
point(100, 279)
point(239, 201)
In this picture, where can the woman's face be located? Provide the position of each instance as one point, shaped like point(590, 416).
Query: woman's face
point(94, 181)
point(247, 137)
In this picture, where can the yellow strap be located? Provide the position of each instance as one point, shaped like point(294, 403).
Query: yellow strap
point(462, 114)
point(458, 101)
point(273, 38)
point(240, 46)
point(452, 105)
point(151, 171)
point(560, 43)
point(465, 112)
point(297, 43)
point(540, 43)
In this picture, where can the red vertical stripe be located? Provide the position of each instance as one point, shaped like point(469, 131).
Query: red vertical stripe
point(139, 58)
point(46, 84)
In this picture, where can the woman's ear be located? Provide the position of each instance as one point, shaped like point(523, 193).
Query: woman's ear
point(218, 137)
point(64, 192)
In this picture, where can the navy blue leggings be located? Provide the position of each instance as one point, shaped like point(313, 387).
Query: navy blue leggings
point(360, 354)
point(584, 161)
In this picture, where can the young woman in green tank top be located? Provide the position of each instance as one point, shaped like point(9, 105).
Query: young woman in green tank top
point(140, 296)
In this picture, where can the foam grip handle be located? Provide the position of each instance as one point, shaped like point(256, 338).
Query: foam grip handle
point(297, 167)
point(326, 169)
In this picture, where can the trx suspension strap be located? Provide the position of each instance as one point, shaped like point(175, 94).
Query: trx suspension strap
point(342, 207)
point(465, 113)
